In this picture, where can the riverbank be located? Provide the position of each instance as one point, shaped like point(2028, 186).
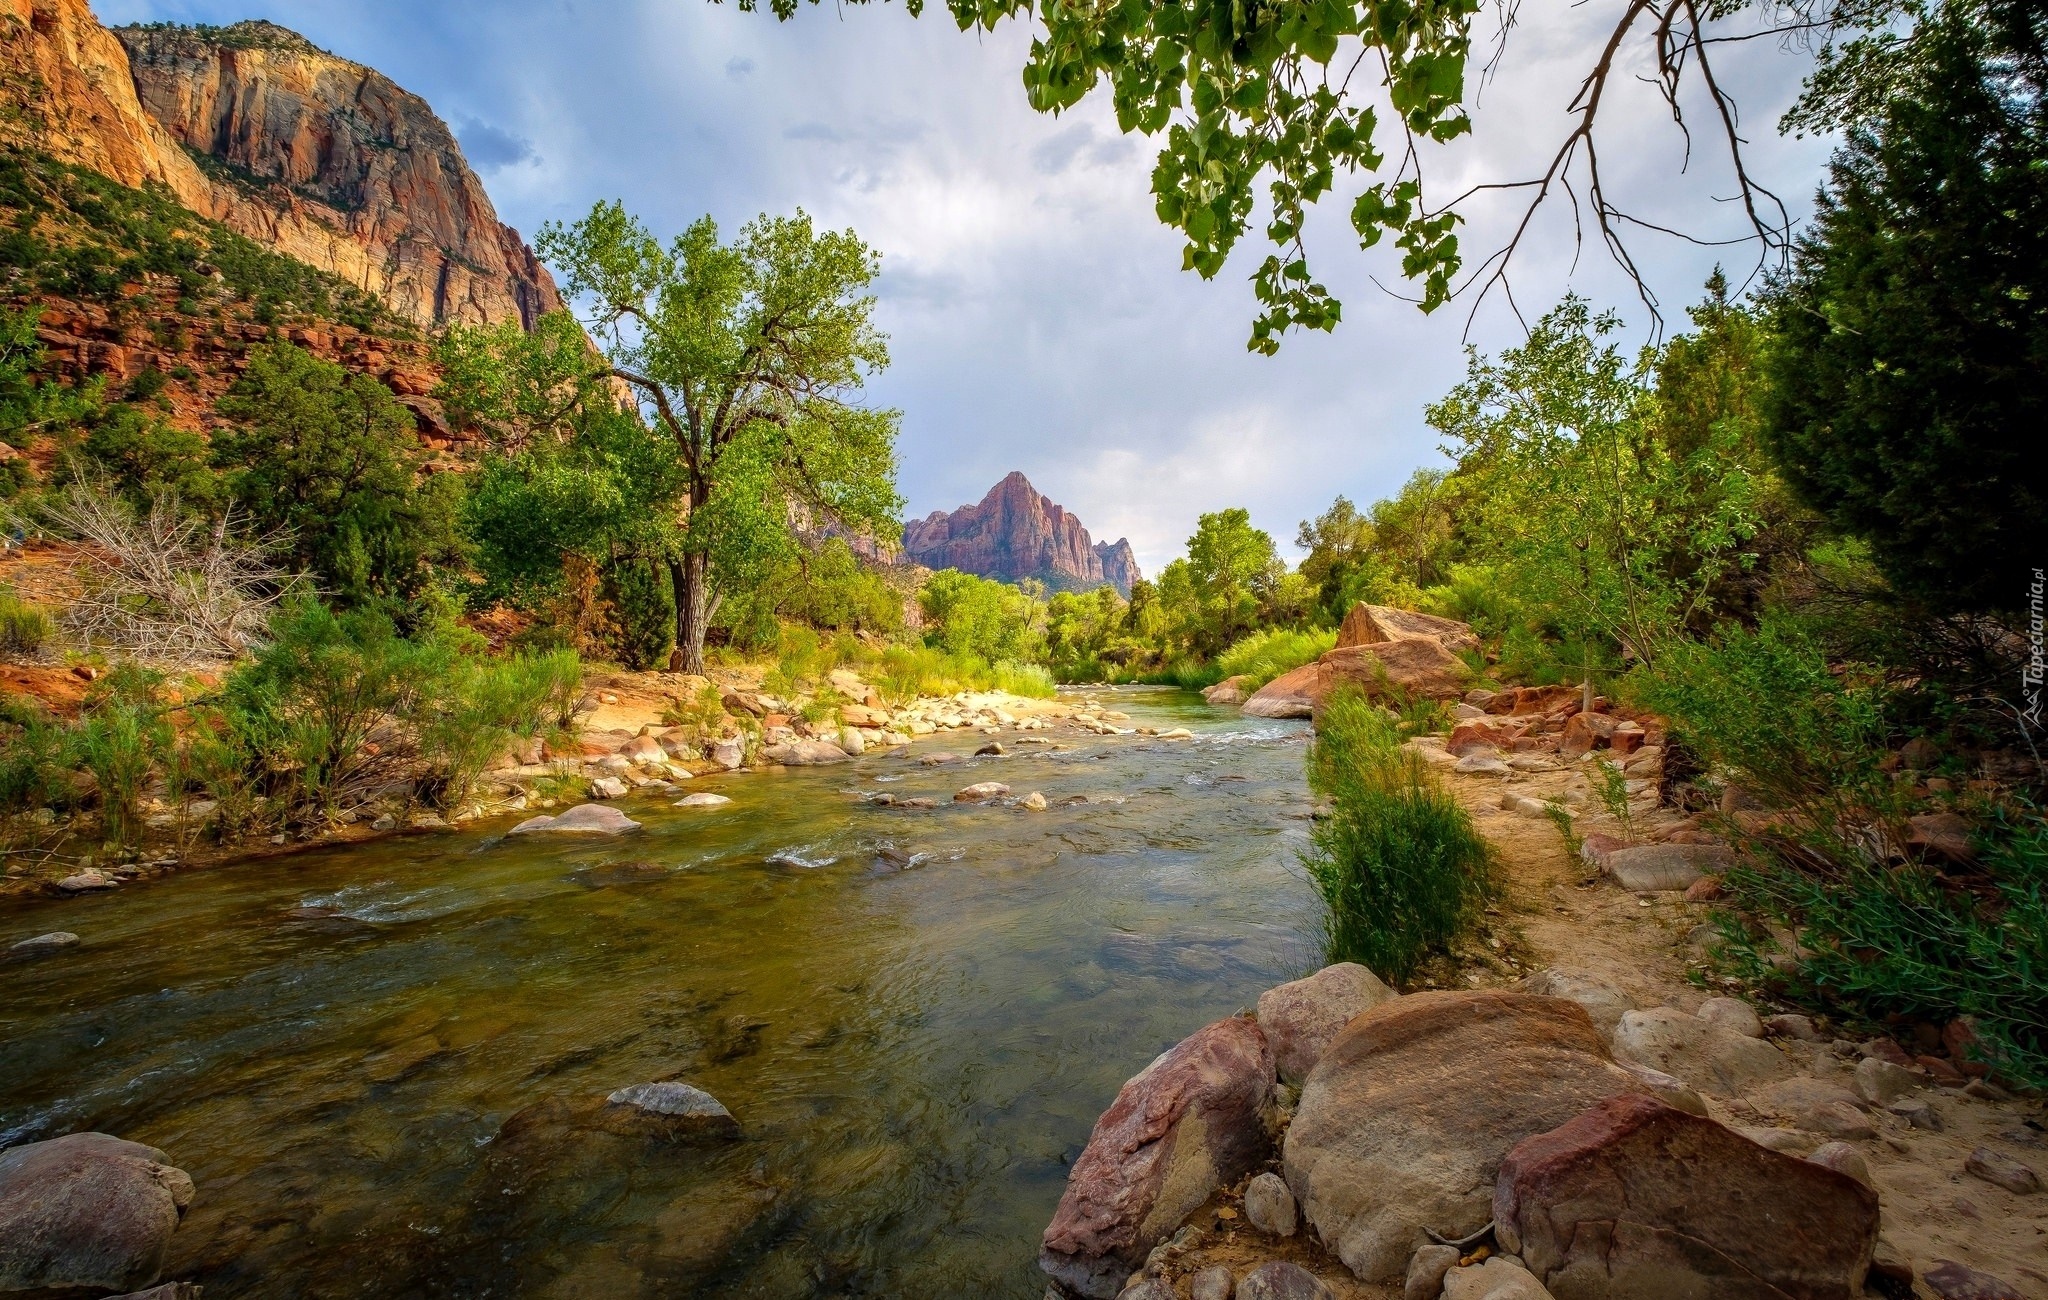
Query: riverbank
point(650, 732)
point(1951, 1157)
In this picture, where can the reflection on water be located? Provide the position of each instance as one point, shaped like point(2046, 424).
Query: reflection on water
point(916, 1016)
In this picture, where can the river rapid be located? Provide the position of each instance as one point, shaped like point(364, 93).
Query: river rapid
point(916, 1017)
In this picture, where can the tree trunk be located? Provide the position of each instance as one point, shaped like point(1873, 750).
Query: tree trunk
point(691, 577)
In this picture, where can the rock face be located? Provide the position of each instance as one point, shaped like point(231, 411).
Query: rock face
point(1405, 1120)
point(322, 159)
point(1636, 1201)
point(87, 1211)
point(1190, 1122)
point(1016, 533)
point(1302, 1018)
point(1379, 624)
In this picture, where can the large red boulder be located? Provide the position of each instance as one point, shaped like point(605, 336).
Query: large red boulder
point(1634, 1200)
point(1377, 624)
point(1293, 694)
point(86, 1213)
point(1192, 1121)
point(1417, 667)
point(1407, 1115)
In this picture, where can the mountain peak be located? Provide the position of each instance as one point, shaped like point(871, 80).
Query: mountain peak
point(1017, 533)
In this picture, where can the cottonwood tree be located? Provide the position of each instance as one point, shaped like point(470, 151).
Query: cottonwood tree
point(749, 359)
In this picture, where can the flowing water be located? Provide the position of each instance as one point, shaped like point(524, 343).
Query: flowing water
point(915, 1015)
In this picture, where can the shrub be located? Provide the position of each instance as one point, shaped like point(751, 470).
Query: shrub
point(475, 708)
point(1263, 656)
point(1032, 680)
point(1398, 862)
point(123, 736)
point(644, 609)
point(24, 628)
point(37, 755)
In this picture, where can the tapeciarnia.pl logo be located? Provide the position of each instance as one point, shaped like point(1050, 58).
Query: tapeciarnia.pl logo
point(2031, 676)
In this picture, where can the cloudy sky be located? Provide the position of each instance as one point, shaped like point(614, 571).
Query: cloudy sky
point(1038, 317)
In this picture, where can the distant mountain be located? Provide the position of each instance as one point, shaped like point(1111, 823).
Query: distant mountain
point(1015, 533)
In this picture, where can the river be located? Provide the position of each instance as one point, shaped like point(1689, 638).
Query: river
point(329, 1043)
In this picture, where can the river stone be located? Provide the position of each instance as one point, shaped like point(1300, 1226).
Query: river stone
point(1704, 1055)
point(609, 787)
point(1213, 1282)
point(1881, 1083)
point(87, 1211)
point(981, 791)
point(1302, 1017)
point(583, 819)
point(1670, 1091)
point(1493, 1279)
point(88, 880)
point(804, 753)
point(1190, 1122)
point(1148, 1288)
point(1604, 1002)
point(1279, 1280)
point(702, 800)
point(1426, 1268)
point(1636, 1201)
point(1406, 667)
point(1034, 802)
point(1403, 1123)
point(1732, 1014)
point(1228, 691)
point(2003, 1171)
point(675, 1109)
point(42, 945)
point(1269, 1205)
point(1663, 868)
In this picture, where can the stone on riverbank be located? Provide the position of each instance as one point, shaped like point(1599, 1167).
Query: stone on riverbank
point(1701, 1053)
point(1190, 1122)
point(804, 753)
point(1636, 1201)
point(88, 1212)
point(1406, 1118)
point(981, 791)
point(583, 819)
point(1604, 1002)
point(1665, 868)
point(1231, 690)
point(1493, 1279)
point(1290, 695)
point(1270, 1206)
point(1301, 1018)
point(1280, 1280)
point(86, 881)
point(703, 800)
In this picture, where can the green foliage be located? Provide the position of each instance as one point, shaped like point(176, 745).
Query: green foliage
point(25, 628)
point(1906, 385)
point(28, 405)
point(1231, 582)
point(970, 616)
point(1398, 862)
point(85, 236)
point(1385, 555)
point(143, 456)
point(1262, 656)
point(37, 756)
point(907, 672)
point(644, 611)
point(330, 460)
point(748, 358)
point(124, 734)
point(1880, 941)
point(475, 709)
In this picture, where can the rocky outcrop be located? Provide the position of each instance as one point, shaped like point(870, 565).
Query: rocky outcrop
point(1015, 533)
point(318, 158)
point(1190, 1122)
point(1634, 1200)
point(1380, 651)
point(86, 1213)
point(1404, 1122)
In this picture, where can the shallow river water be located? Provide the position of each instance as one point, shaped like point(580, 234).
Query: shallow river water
point(915, 1054)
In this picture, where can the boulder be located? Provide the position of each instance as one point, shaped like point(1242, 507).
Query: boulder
point(1269, 1205)
point(1493, 1279)
point(88, 1212)
point(1732, 1014)
point(1880, 1083)
point(583, 819)
point(643, 749)
point(804, 753)
point(1405, 1119)
point(1301, 1018)
point(1231, 690)
point(1524, 700)
point(1816, 1107)
point(1634, 1200)
point(728, 752)
point(86, 881)
point(1290, 695)
point(703, 799)
point(1190, 1122)
point(1212, 1283)
point(1702, 1054)
point(981, 792)
point(1844, 1159)
point(1416, 667)
point(1603, 1001)
point(1279, 1280)
point(1659, 868)
point(1378, 624)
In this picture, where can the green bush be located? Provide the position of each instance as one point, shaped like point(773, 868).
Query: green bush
point(1262, 656)
point(124, 736)
point(644, 610)
point(37, 756)
point(24, 628)
point(1881, 941)
point(1398, 862)
point(476, 708)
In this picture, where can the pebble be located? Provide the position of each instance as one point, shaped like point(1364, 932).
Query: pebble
point(1790, 1026)
point(1919, 1114)
point(86, 881)
point(1880, 1083)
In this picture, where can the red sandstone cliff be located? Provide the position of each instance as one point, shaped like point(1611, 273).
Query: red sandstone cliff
point(1015, 533)
point(321, 159)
